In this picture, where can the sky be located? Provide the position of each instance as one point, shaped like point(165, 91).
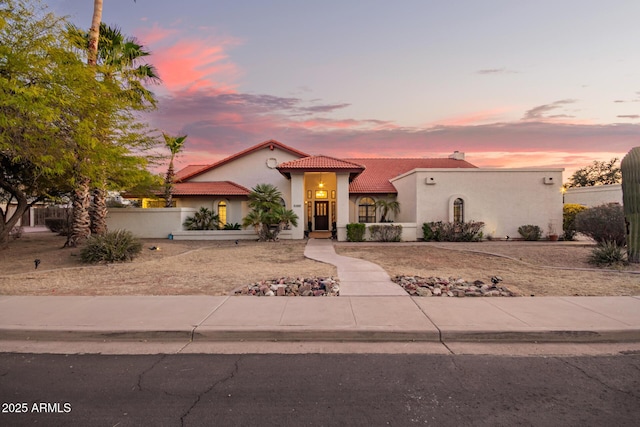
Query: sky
point(546, 83)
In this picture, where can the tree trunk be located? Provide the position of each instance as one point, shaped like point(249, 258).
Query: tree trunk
point(168, 185)
point(94, 33)
point(98, 212)
point(80, 221)
point(6, 227)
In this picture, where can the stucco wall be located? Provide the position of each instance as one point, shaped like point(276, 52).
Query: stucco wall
point(148, 223)
point(503, 199)
point(252, 169)
point(594, 196)
point(236, 209)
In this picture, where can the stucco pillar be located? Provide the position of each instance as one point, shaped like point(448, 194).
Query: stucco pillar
point(342, 196)
point(297, 204)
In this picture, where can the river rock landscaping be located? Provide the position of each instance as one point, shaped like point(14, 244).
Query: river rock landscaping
point(451, 287)
point(289, 286)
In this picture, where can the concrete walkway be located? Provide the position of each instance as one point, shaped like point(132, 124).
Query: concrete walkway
point(357, 277)
point(370, 309)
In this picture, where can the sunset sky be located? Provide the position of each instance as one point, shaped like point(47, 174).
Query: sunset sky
point(510, 83)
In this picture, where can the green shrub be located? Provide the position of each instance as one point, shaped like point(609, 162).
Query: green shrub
point(604, 223)
point(440, 231)
point(204, 219)
point(569, 213)
point(530, 232)
point(427, 232)
point(385, 233)
point(355, 232)
point(57, 225)
point(608, 253)
point(114, 246)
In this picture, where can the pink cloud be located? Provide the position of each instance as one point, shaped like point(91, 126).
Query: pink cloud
point(154, 35)
point(187, 62)
point(477, 117)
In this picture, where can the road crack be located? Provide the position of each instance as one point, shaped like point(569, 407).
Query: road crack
point(233, 373)
point(143, 373)
point(598, 380)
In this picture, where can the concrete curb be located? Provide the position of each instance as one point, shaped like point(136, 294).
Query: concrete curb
point(327, 335)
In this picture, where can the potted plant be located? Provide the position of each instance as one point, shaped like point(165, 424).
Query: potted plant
point(552, 234)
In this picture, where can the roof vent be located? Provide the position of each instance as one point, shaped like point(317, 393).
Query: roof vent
point(457, 155)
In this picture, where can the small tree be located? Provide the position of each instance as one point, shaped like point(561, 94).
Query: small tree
point(267, 214)
point(597, 173)
point(387, 206)
point(604, 223)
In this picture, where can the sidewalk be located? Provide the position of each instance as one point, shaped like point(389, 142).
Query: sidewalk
point(370, 308)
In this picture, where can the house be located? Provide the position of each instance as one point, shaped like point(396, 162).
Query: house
point(324, 190)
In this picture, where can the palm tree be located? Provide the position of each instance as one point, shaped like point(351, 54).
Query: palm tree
point(267, 214)
point(174, 143)
point(81, 222)
point(204, 219)
point(117, 61)
point(94, 33)
point(386, 206)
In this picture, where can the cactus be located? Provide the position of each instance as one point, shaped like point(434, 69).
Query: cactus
point(630, 167)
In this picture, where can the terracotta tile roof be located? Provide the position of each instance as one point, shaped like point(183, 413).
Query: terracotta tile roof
point(378, 172)
point(270, 144)
point(215, 188)
point(318, 163)
point(188, 170)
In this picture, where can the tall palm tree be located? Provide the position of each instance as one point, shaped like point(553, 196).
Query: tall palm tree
point(94, 33)
point(174, 143)
point(80, 221)
point(117, 61)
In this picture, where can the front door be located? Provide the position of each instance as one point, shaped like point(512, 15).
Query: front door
point(321, 216)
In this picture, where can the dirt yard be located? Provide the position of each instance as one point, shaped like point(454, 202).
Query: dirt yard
point(217, 268)
point(524, 271)
point(178, 268)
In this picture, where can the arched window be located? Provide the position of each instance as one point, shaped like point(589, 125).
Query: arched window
point(458, 210)
point(367, 210)
point(222, 213)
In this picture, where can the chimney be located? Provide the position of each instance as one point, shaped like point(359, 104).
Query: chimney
point(457, 155)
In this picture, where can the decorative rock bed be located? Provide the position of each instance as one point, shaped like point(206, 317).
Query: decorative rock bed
point(290, 286)
point(451, 287)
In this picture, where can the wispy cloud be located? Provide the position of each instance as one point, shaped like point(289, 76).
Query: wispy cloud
point(325, 108)
point(475, 118)
point(502, 70)
point(629, 116)
point(541, 111)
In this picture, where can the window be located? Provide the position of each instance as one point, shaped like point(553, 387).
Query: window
point(222, 213)
point(458, 210)
point(367, 210)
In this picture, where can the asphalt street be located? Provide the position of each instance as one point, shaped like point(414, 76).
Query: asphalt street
point(318, 390)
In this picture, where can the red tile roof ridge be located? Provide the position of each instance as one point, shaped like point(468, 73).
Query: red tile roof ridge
point(210, 188)
point(324, 156)
point(244, 153)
